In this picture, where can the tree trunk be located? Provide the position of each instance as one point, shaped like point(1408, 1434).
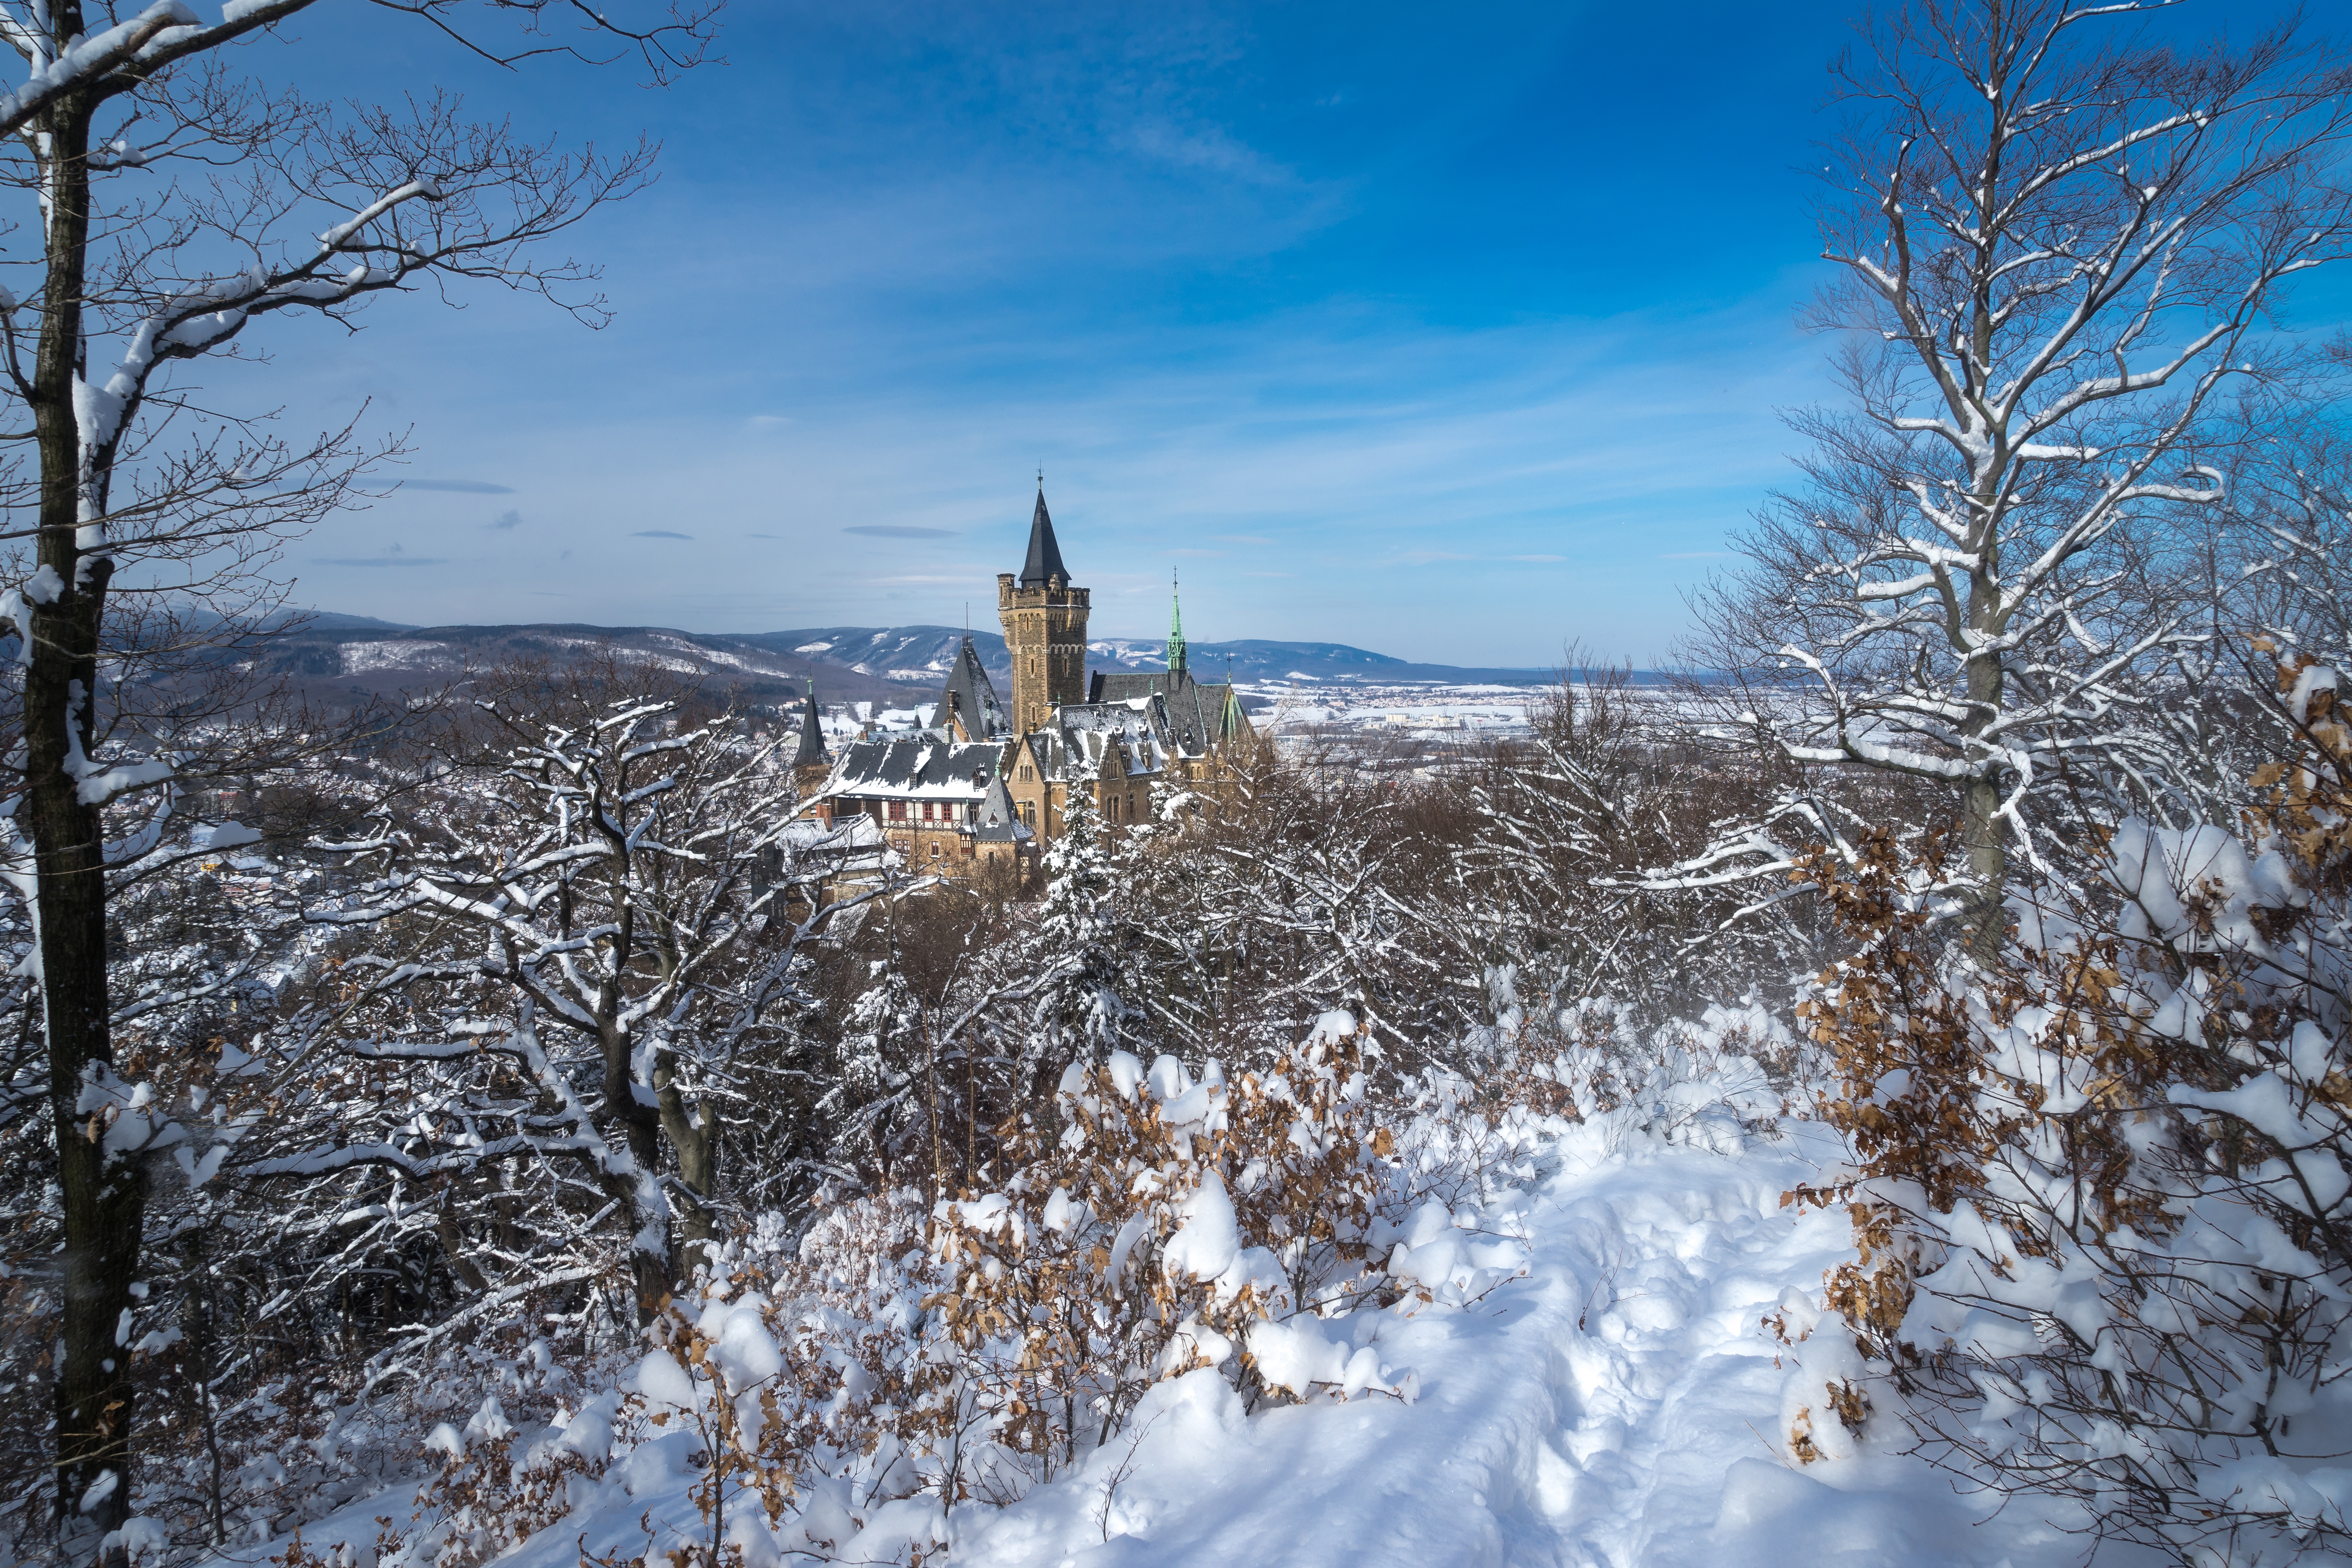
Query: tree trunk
point(649, 1256)
point(1983, 833)
point(695, 1142)
point(103, 1190)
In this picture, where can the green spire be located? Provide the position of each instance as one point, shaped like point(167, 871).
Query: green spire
point(1175, 627)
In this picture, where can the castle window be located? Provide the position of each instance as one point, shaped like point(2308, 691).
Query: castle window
point(898, 810)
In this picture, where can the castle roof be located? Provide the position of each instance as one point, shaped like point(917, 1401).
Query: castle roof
point(996, 821)
point(925, 765)
point(1197, 716)
point(969, 699)
point(1082, 737)
point(812, 752)
point(1044, 561)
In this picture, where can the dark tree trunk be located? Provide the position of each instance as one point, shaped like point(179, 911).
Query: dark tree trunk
point(104, 1190)
point(641, 1127)
point(695, 1142)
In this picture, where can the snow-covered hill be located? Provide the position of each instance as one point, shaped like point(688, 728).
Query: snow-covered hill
point(337, 656)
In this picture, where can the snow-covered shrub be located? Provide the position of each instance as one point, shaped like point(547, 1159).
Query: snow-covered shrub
point(2101, 1190)
point(836, 1394)
point(1706, 1081)
point(796, 1395)
point(489, 1497)
point(1168, 1223)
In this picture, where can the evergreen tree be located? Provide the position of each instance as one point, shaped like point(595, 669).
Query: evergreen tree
point(1080, 948)
point(880, 1047)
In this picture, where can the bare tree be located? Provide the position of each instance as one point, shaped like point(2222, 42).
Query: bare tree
point(178, 203)
point(611, 895)
point(2062, 247)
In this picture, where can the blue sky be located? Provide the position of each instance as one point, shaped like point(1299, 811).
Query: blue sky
point(1452, 331)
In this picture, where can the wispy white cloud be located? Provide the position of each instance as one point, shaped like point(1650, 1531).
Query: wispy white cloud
point(1616, 443)
point(1107, 241)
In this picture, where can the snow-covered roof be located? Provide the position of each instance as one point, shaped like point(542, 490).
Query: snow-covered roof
point(925, 765)
point(1082, 735)
point(1199, 716)
point(997, 821)
point(852, 833)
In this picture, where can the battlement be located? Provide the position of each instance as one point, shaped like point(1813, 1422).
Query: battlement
point(1011, 595)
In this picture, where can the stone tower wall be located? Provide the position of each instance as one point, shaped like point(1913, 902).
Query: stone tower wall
point(1045, 633)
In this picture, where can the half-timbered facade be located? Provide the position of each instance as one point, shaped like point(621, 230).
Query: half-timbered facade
point(939, 802)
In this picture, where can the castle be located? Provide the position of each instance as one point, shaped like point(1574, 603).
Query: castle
point(984, 783)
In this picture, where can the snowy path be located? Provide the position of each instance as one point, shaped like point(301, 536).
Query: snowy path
point(1619, 1406)
point(1611, 1410)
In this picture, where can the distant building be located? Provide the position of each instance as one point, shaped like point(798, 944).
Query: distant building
point(984, 782)
point(1045, 627)
point(1135, 728)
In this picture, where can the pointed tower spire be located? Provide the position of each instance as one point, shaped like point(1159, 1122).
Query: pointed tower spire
point(1045, 561)
point(1045, 617)
point(810, 753)
point(1175, 626)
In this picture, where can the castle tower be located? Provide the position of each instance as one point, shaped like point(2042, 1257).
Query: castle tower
point(1045, 627)
point(811, 763)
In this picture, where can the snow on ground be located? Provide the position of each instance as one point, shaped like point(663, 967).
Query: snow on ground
point(1440, 715)
point(1428, 711)
point(1619, 1405)
point(358, 657)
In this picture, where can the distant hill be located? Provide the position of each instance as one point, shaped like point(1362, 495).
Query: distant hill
point(347, 656)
